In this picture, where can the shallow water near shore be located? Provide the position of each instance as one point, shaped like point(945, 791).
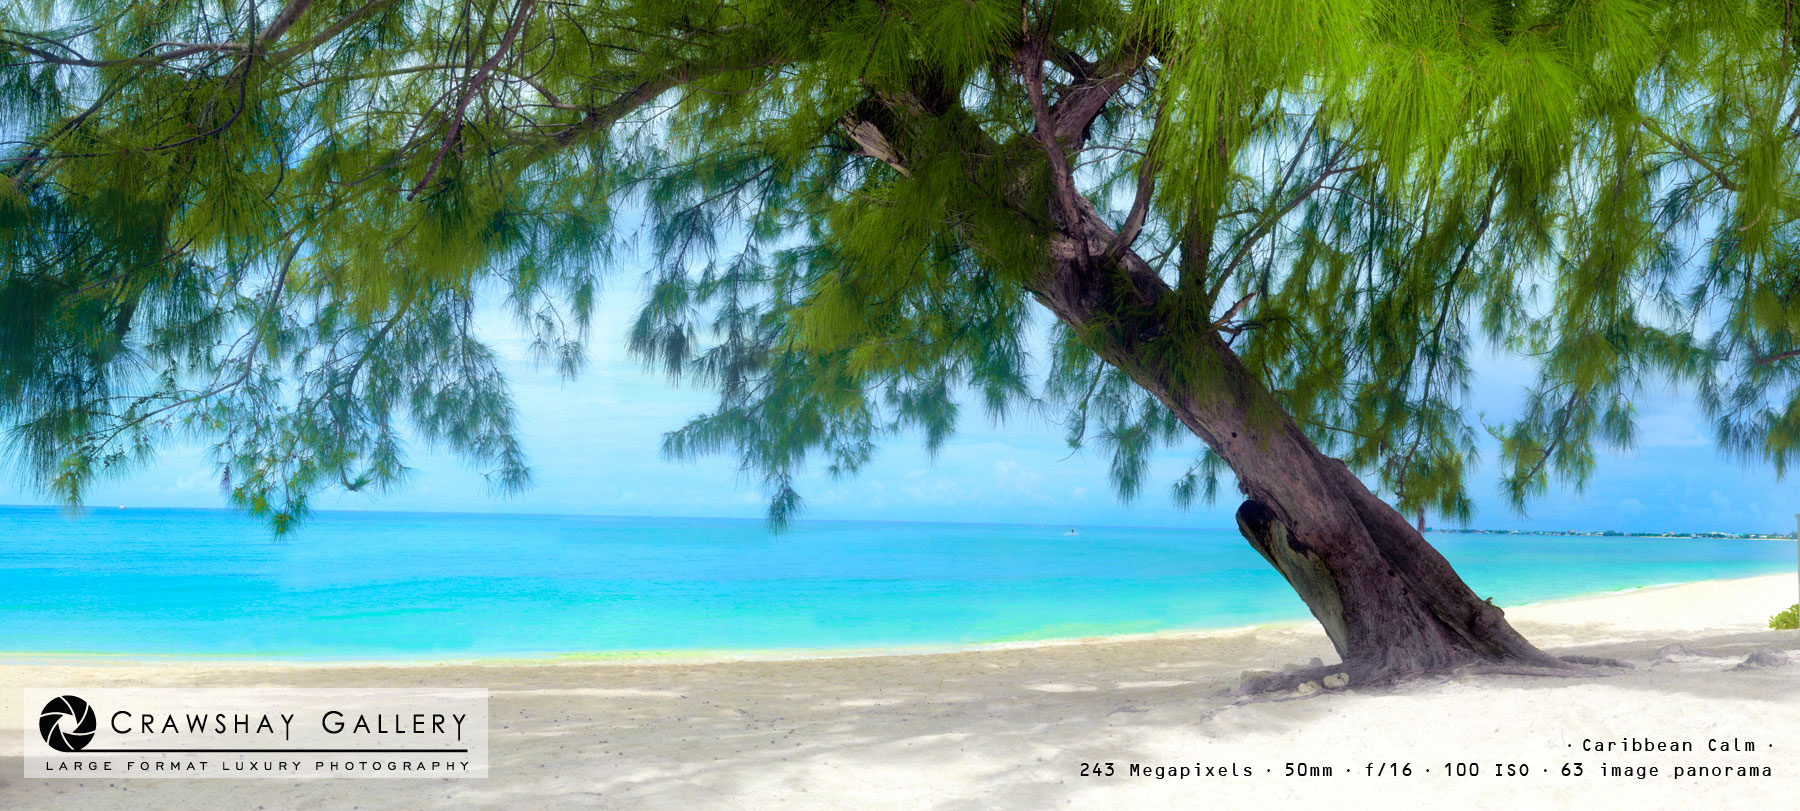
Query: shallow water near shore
point(417, 585)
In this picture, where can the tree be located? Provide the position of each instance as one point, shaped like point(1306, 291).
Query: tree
point(1279, 228)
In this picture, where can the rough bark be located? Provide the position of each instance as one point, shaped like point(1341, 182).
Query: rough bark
point(1391, 604)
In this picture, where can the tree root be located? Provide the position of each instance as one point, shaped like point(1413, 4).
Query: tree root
point(1527, 670)
point(1286, 681)
point(1273, 686)
point(1598, 661)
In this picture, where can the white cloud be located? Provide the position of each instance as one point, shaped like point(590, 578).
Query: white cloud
point(1011, 476)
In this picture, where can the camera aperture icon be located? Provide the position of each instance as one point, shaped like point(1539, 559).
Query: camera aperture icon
point(67, 723)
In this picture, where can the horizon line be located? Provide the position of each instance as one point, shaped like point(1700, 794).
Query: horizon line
point(84, 509)
point(91, 508)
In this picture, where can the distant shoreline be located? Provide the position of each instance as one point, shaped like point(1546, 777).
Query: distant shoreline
point(1612, 533)
point(726, 655)
point(1749, 536)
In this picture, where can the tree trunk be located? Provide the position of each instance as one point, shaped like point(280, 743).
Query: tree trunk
point(1390, 603)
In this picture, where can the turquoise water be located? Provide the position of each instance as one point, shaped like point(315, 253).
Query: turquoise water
point(375, 585)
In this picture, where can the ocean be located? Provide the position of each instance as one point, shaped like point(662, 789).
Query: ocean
point(365, 585)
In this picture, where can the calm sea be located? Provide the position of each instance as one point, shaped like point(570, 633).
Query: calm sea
point(375, 585)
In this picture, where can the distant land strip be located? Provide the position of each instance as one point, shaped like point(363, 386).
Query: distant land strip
point(1613, 533)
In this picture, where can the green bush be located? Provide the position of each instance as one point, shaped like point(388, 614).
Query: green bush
point(1787, 620)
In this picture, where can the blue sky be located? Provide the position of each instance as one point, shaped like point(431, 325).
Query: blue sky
point(594, 447)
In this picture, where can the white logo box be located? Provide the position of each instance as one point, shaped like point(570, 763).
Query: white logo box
point(240, 732)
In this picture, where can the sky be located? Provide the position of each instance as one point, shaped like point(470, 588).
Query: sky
point(594, 448)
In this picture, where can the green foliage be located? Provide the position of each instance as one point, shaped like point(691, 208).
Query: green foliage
point(267, 225)
point(1787, 620)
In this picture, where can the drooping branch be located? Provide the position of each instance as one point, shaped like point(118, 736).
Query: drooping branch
point(1271, 217)
point(284, 20)
point(145, 60)
point(1443, 319)
point(603, 117)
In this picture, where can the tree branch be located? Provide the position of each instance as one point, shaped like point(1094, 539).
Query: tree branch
point(1083, 102)
point(1692, 154)
point(1223, 324)
point(1140, 208)
point(1778, 356)
point(644, 92)
point(1062, 181)
point(284, 20)
point(474, 86)
point(328, 33)
point(873, 143)
point(1269, 219)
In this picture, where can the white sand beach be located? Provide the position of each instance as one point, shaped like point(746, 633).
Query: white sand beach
point(1011, 727)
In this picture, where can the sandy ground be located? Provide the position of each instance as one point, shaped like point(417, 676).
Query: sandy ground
point(1012, 727)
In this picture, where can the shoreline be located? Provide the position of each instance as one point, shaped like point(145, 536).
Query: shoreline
point(1572, 533)
point(730, 655)
point(1011, 727)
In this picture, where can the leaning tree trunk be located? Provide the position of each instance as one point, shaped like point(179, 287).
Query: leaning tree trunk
point(1390, 603)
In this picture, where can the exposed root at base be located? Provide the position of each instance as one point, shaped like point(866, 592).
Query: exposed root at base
point(1286, 681)
point(1598, 661)
point(1288, 684)
point(1527, 670)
